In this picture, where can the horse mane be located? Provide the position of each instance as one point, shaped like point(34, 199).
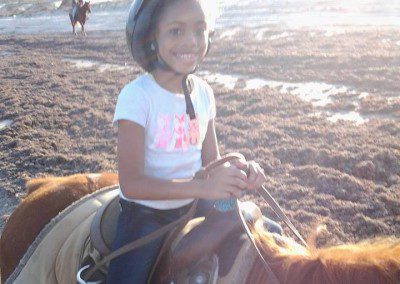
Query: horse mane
point(370, 261)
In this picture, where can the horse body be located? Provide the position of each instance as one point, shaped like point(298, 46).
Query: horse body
point(46, 198)
point(80, 17)
point(369, 262)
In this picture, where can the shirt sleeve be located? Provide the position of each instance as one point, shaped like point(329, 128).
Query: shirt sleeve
point(132, 105)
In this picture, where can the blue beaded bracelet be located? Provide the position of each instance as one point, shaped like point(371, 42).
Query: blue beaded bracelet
point(224, 205)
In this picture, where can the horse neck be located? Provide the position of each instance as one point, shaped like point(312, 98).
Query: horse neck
point(274, 249)
point(363, 263)
point(84, 9)
point(302, 270)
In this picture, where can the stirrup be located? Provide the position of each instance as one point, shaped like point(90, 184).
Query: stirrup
point(79, 276)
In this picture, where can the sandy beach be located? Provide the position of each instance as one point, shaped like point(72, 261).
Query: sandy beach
point(319, 110)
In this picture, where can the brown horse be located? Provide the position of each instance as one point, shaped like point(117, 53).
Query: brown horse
point(80, 17)
point(374, 261)
point(46, 198)
point(368, 262)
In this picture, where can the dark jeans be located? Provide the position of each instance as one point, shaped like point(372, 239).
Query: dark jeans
point(136, 221)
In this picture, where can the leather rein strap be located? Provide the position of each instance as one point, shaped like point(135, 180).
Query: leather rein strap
point(278, 211)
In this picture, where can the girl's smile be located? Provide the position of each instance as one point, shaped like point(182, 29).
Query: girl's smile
point(186, 58)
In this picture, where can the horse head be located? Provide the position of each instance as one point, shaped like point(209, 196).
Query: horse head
point(86, 6)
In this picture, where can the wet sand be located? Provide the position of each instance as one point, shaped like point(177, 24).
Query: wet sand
point(58, 94)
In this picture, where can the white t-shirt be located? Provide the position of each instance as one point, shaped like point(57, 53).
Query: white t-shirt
point(172, 143)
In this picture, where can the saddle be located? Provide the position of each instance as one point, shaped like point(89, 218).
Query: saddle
point(102, 230)
point(192, 247)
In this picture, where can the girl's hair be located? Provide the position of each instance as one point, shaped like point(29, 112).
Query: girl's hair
point(210, 8)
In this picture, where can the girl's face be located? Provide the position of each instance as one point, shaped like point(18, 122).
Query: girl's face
point(182, 35)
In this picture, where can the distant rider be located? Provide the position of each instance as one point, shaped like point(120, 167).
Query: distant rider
point(75, 6)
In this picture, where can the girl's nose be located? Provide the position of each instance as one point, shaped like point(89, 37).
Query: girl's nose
point(191, 38)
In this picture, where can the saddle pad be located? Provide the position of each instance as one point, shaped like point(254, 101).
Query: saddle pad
point(55, 254)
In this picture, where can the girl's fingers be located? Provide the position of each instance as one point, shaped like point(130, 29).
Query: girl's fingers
point(240, 164)
point(253, 172)
point(238, 183)
point(225, 195)
point(244, 166)
point(262, 173)
point(235, 192)
point(233, 179)
point(235, 173)
point(258, 183)
point(228, 170)
point(221, 192)
point(257, 178)
point(261, 179)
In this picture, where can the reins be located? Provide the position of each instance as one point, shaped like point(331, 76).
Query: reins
point(278, 211)
point(272, 278)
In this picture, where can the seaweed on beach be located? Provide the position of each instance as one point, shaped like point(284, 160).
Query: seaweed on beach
point(59, 91)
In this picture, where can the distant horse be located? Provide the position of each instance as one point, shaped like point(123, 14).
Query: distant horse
point(373, 261)
point(80, 17)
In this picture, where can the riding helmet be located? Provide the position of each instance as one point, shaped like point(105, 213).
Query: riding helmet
point(139, 33)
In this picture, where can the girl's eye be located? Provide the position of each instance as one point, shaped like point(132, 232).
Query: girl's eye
point(200, 31)
point(175, 32)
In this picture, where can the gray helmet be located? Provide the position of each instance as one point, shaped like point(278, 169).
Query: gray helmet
point(139, 33)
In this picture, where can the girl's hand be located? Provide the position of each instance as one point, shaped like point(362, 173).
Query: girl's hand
point(226, 181)
point(255, 174)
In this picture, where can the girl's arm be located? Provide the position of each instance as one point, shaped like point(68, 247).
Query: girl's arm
point(135, 185)
point(210, 151)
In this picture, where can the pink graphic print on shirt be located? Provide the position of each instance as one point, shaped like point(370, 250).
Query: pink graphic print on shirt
point(181, 139)
point(163, 134)
point(194, 132)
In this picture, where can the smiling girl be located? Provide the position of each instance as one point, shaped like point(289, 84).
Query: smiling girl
point(166, 130)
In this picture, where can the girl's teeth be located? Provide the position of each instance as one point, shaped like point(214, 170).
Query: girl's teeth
point(186, 56)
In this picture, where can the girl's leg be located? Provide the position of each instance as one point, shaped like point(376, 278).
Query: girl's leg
point(74, 12)
point(135, 221)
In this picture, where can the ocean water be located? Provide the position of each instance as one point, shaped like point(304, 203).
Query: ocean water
point(261, 14)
